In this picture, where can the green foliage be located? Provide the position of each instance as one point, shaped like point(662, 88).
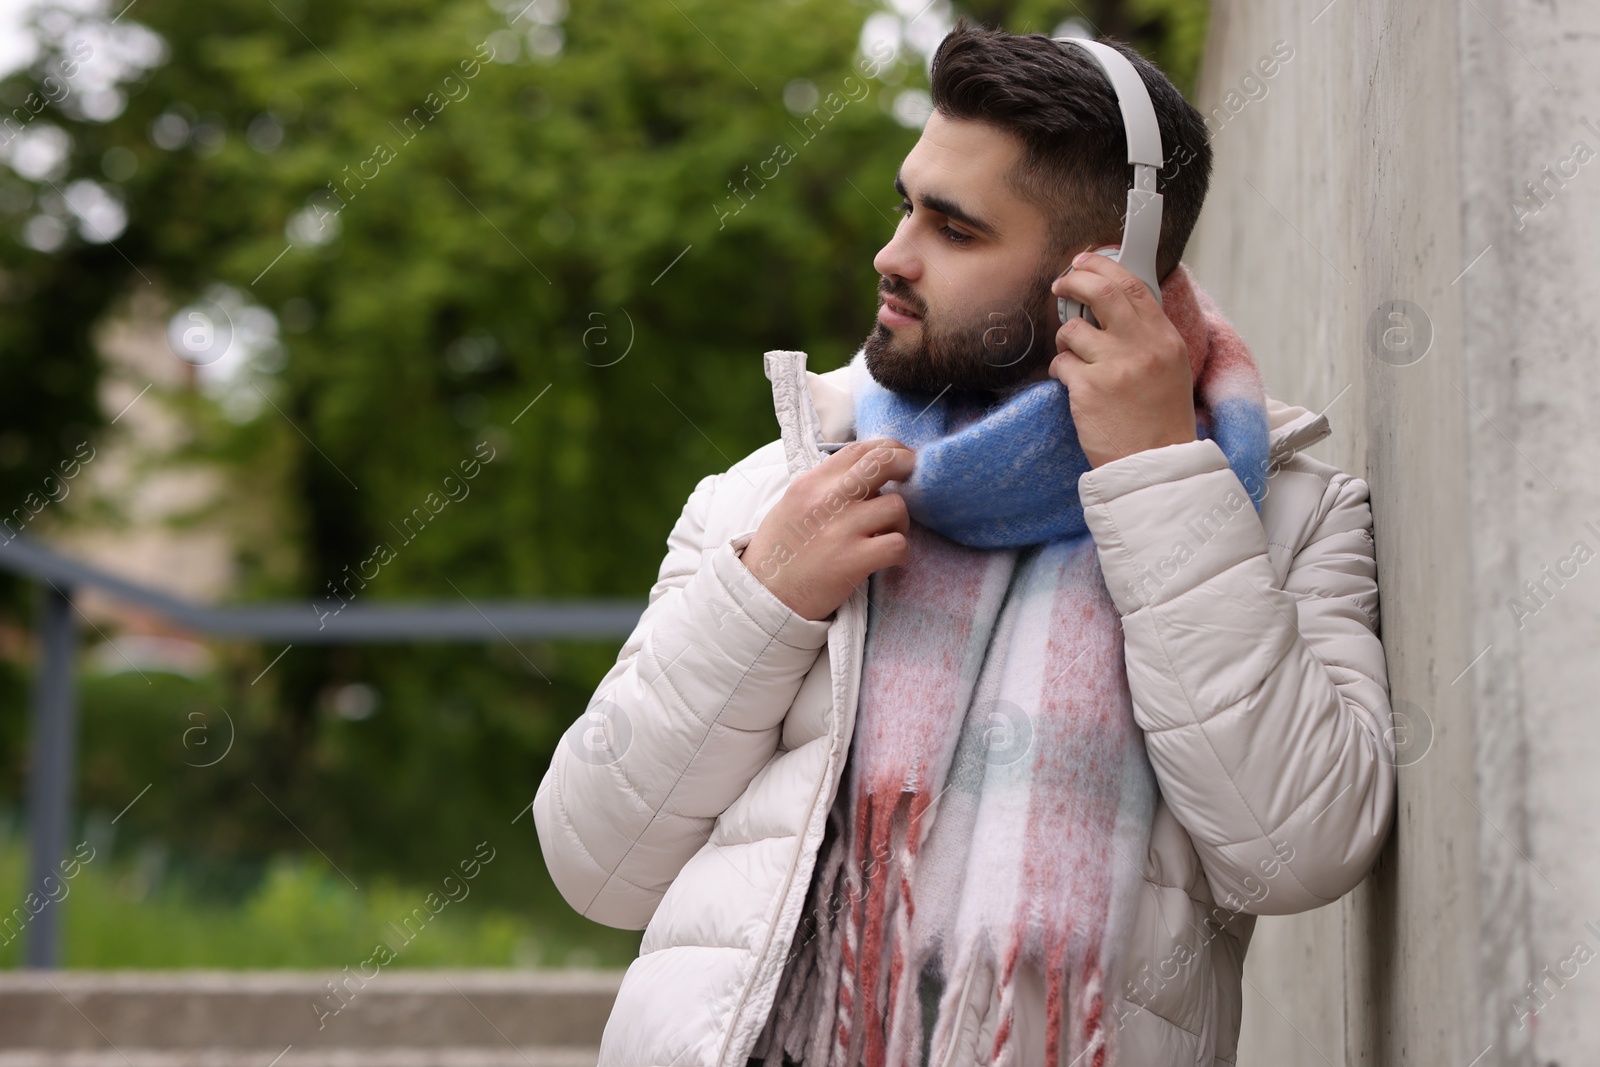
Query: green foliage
point(1176, 30)
point(1170, 33)
point(479, 244)
point(450, 759)
point(300, 914)
point(470, 273)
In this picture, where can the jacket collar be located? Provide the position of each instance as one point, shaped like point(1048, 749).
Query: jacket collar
point(813, 408)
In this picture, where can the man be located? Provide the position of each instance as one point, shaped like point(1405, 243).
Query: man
point(986, 739)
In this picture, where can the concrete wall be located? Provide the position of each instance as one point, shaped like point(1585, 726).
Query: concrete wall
point(1383, 163)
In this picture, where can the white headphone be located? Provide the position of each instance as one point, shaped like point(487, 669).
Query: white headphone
point(1141, 229)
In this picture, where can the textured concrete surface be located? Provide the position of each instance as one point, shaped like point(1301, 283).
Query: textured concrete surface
point(223, 1019)
point(1388, 161)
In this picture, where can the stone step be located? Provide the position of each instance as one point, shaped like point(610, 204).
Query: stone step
point(255, 1018)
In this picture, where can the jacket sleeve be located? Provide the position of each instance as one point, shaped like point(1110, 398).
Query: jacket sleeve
point(676, 730)
point(1265, 705)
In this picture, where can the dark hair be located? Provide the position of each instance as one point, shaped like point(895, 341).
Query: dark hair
point(1075, 156)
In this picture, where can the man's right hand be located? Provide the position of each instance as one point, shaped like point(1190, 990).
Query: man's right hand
point(832, 528)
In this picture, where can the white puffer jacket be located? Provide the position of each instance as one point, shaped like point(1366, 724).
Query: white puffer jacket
point(690, 798)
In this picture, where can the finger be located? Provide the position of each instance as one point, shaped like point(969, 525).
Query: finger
point(880, 460)
point(849, 454)
point(1101, 292)
point(886, 550)
point(1077, 337)
point(884, 513)
point(1133, 287)
point(1064, 367)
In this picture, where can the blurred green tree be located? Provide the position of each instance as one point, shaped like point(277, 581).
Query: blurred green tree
point(550, 242)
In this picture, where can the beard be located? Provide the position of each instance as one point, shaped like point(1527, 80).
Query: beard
point(985, 352)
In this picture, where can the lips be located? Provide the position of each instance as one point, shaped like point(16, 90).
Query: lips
point(901, 308)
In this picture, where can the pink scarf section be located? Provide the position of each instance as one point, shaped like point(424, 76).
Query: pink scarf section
point(994, 695)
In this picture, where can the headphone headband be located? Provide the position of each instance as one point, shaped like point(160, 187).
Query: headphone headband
point(1141, 231)
point(1138, 115)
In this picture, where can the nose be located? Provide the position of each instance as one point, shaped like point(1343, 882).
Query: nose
point(898, 257)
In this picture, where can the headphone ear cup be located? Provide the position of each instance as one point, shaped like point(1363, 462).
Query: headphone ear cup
point(1071, 309)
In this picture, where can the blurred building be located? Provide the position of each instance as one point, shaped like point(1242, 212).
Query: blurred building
point(143, 508)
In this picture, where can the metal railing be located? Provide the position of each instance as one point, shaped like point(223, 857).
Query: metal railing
point(53, 728)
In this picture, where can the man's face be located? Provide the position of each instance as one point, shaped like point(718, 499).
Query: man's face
point(964, 298)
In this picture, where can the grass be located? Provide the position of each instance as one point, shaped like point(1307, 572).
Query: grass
point(300, 915)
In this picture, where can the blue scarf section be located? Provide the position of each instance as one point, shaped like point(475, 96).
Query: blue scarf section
point(1007, 476)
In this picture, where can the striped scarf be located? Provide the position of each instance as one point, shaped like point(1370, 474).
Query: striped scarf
point(997, 800)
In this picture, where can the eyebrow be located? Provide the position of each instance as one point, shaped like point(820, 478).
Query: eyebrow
point(948, 208)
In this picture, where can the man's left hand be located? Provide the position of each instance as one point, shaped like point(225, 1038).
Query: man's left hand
point(1128, 381)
